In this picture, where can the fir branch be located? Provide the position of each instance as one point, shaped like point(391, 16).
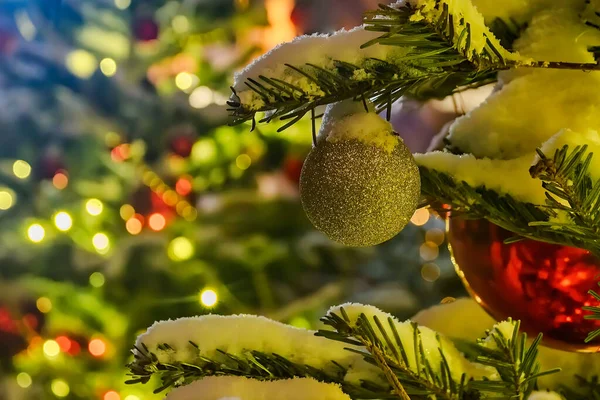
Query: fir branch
point(515, 362)
point(565, 177)
point(587, 389)
point(390, 354)
point(435, 65)
point(253, 364)
point(595, 316)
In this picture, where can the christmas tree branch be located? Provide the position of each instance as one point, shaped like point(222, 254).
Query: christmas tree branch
point(390, 354)
point(253, 364)
point(570, 189)
point(437, 57)
point(595, 316)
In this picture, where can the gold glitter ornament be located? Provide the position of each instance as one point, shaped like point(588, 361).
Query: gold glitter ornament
point(359, 193)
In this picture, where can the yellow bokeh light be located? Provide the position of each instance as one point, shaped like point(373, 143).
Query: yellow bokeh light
point(436, 236)
point(243, 161)
point(36, 233)
point(60, 388)
point(208, 298)
point(94, 207)
point(181, 249)
point(132, 397)
point(204, 151)
point(429, 251)
point(81, 63)
point(24, 380)
point(122, 4)
point(51, 348)
point(184, 80)
point(420, 217)
point(201, 97)
point(44, 305)
point(101, 242)
point(180, 24)
point(126, 211)
point(97, 279)
point(430, 272)
point(63, 221)
point(108, 66)
point(134, 226)
point(112, 139)
point(6, 200)
point(21, 169)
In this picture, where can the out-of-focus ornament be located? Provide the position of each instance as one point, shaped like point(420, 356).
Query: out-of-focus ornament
point(543, 285)
point(292, 168)
point(359, 184)
point(145, 29)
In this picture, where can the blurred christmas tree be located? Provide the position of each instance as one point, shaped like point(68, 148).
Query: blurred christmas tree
point(125, 200)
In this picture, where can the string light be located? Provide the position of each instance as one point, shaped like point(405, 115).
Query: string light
point(184, 80)
point(111, 395)
point(44, 305)
point(36, 233)
point(97, 279)
point(21, 169)
point(60, 180)
point(101, 243)
point(420, 217)
point(201, 97)
point(24, 380)
point(122, 4)
point(182, 206)
point(6, 200)
point(63, 221)
point(157, 222)
point(51, 348)
point(429, 251)
point(64, 343)
point(60, 388)
point(183, 186)
point(126, 212)
point(436, 236)
point(180, 249)
point(81, 63)
point(97, 347)
point(94, 207)
point(208, 298)
point(243, 161)
point(134, 226)
point(108, 66)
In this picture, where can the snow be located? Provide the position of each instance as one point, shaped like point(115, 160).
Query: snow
point(545, 396)
point(241, 333)
point(573, 139)
point(348, 120)
point(464, 12)
point(457, 362)
point(465, 319)
point(240, 388)
point(502, 176)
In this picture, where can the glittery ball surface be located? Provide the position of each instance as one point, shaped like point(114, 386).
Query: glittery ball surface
point(358, 194)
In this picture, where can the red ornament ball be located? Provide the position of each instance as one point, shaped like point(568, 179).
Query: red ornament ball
point(543, 285)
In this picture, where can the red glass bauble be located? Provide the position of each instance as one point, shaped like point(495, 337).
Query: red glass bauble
point(543, 285)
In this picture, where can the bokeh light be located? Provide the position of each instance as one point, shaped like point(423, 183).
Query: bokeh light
point(111, 395)
point(64, 343)
point(184, 80)
point(122, 4)
point(429, 251)
point(81, 63)
point(243, 161)
point(97, 279)
point(94, 207)
point(201, 97)
point(208, 298)
point(24, 380)
point(60, 388)
point(44, 305)
point(36, 233)
point(181, 249)
point(126, 211)
point(430, 272)
point(60, 180)
point(97, 347)
point(134, 226)
point(51, 348)
point(6, 200)
point(63, 221)
point(21, 169)
point(157, 222)
point(420, 217)
point(108, 66)
point(180, 24)
point(101, 242)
